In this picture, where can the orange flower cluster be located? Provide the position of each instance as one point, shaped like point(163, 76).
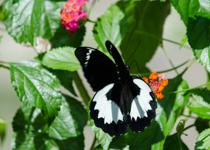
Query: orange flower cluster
point(157, 82)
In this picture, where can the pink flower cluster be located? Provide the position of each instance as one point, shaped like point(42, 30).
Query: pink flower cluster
point(72, 12)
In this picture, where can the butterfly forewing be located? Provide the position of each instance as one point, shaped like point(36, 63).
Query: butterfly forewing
point(98, 69)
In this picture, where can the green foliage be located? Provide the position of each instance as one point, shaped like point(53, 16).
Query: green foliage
point(49, 119)
point(2, 129)
point(61, 59)
point(28, 19)
point(203, 140)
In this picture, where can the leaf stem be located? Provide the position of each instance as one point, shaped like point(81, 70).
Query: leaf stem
point(190, 126)
point(93, 143)
point(83, 92)
point(3, 65)
point(91, 21)
point(167, 70)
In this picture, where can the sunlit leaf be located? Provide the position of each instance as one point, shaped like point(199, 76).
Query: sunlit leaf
point(203, 140)
point(61, 59)
point(29, 19)
point(203, 56)
point(36, 86)
point(70, 121)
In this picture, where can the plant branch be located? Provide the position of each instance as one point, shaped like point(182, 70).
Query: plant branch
point(167, 70)
point(83, 92)
point(4, 65)
point(170, 61)
point(93, 143)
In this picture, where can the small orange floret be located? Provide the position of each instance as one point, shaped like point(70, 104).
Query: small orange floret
point(153, 76)
point(159, 95)
point(161, 88)
point(164, 82)
point(146, 79)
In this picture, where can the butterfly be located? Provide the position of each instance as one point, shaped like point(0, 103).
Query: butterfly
point(121, 101)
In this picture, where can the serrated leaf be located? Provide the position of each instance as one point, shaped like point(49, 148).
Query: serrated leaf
point(63, 37)
point(36, 86)
point(70, 121)
point(29, 19)
point(203, 57)
point(203, 140)
point(200, 103)
point(108, 27)
point(61, 59)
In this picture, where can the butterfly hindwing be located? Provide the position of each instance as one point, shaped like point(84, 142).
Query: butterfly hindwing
point(143, 107)
point(98, 69)
point(106, 113)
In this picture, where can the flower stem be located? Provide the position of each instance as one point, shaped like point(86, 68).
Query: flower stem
point(3, 65)
point(83, 92)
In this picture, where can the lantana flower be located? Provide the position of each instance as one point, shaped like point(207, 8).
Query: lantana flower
point(157, 82)
point(72, 13)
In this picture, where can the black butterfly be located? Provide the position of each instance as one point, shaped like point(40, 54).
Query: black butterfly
point(121, 100)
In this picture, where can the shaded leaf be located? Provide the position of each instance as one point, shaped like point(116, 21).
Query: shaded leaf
point(203, 57)
point(134, 28)
point(61, 59)
point(142, 31)
point(70, 121)
point(36, 86)
point(202, 124)
point(32, 19)
point(173, 143)
point(203, 140)
point(74, 143)
point(198, 32)
point(65, 78)
point(63, 37)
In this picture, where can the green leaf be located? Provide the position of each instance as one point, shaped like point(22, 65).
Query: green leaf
point(28, 19)
point(142, 31)
point(203, 140)
point(143, 140)
point(174, 142)
point(103, 139)
point(36, 86)
point(203, 56)
point(192, 8)
point(200, 103)
point(108, 27)
point(63, 37)
point(74, 143)
point(198, 32)
point(61, 59)
point(196, 16)
point(65, 78)
point(2, 130)
point(70, 121)
point(134, 28)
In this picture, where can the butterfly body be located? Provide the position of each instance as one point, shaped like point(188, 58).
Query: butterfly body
point(121, 100)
